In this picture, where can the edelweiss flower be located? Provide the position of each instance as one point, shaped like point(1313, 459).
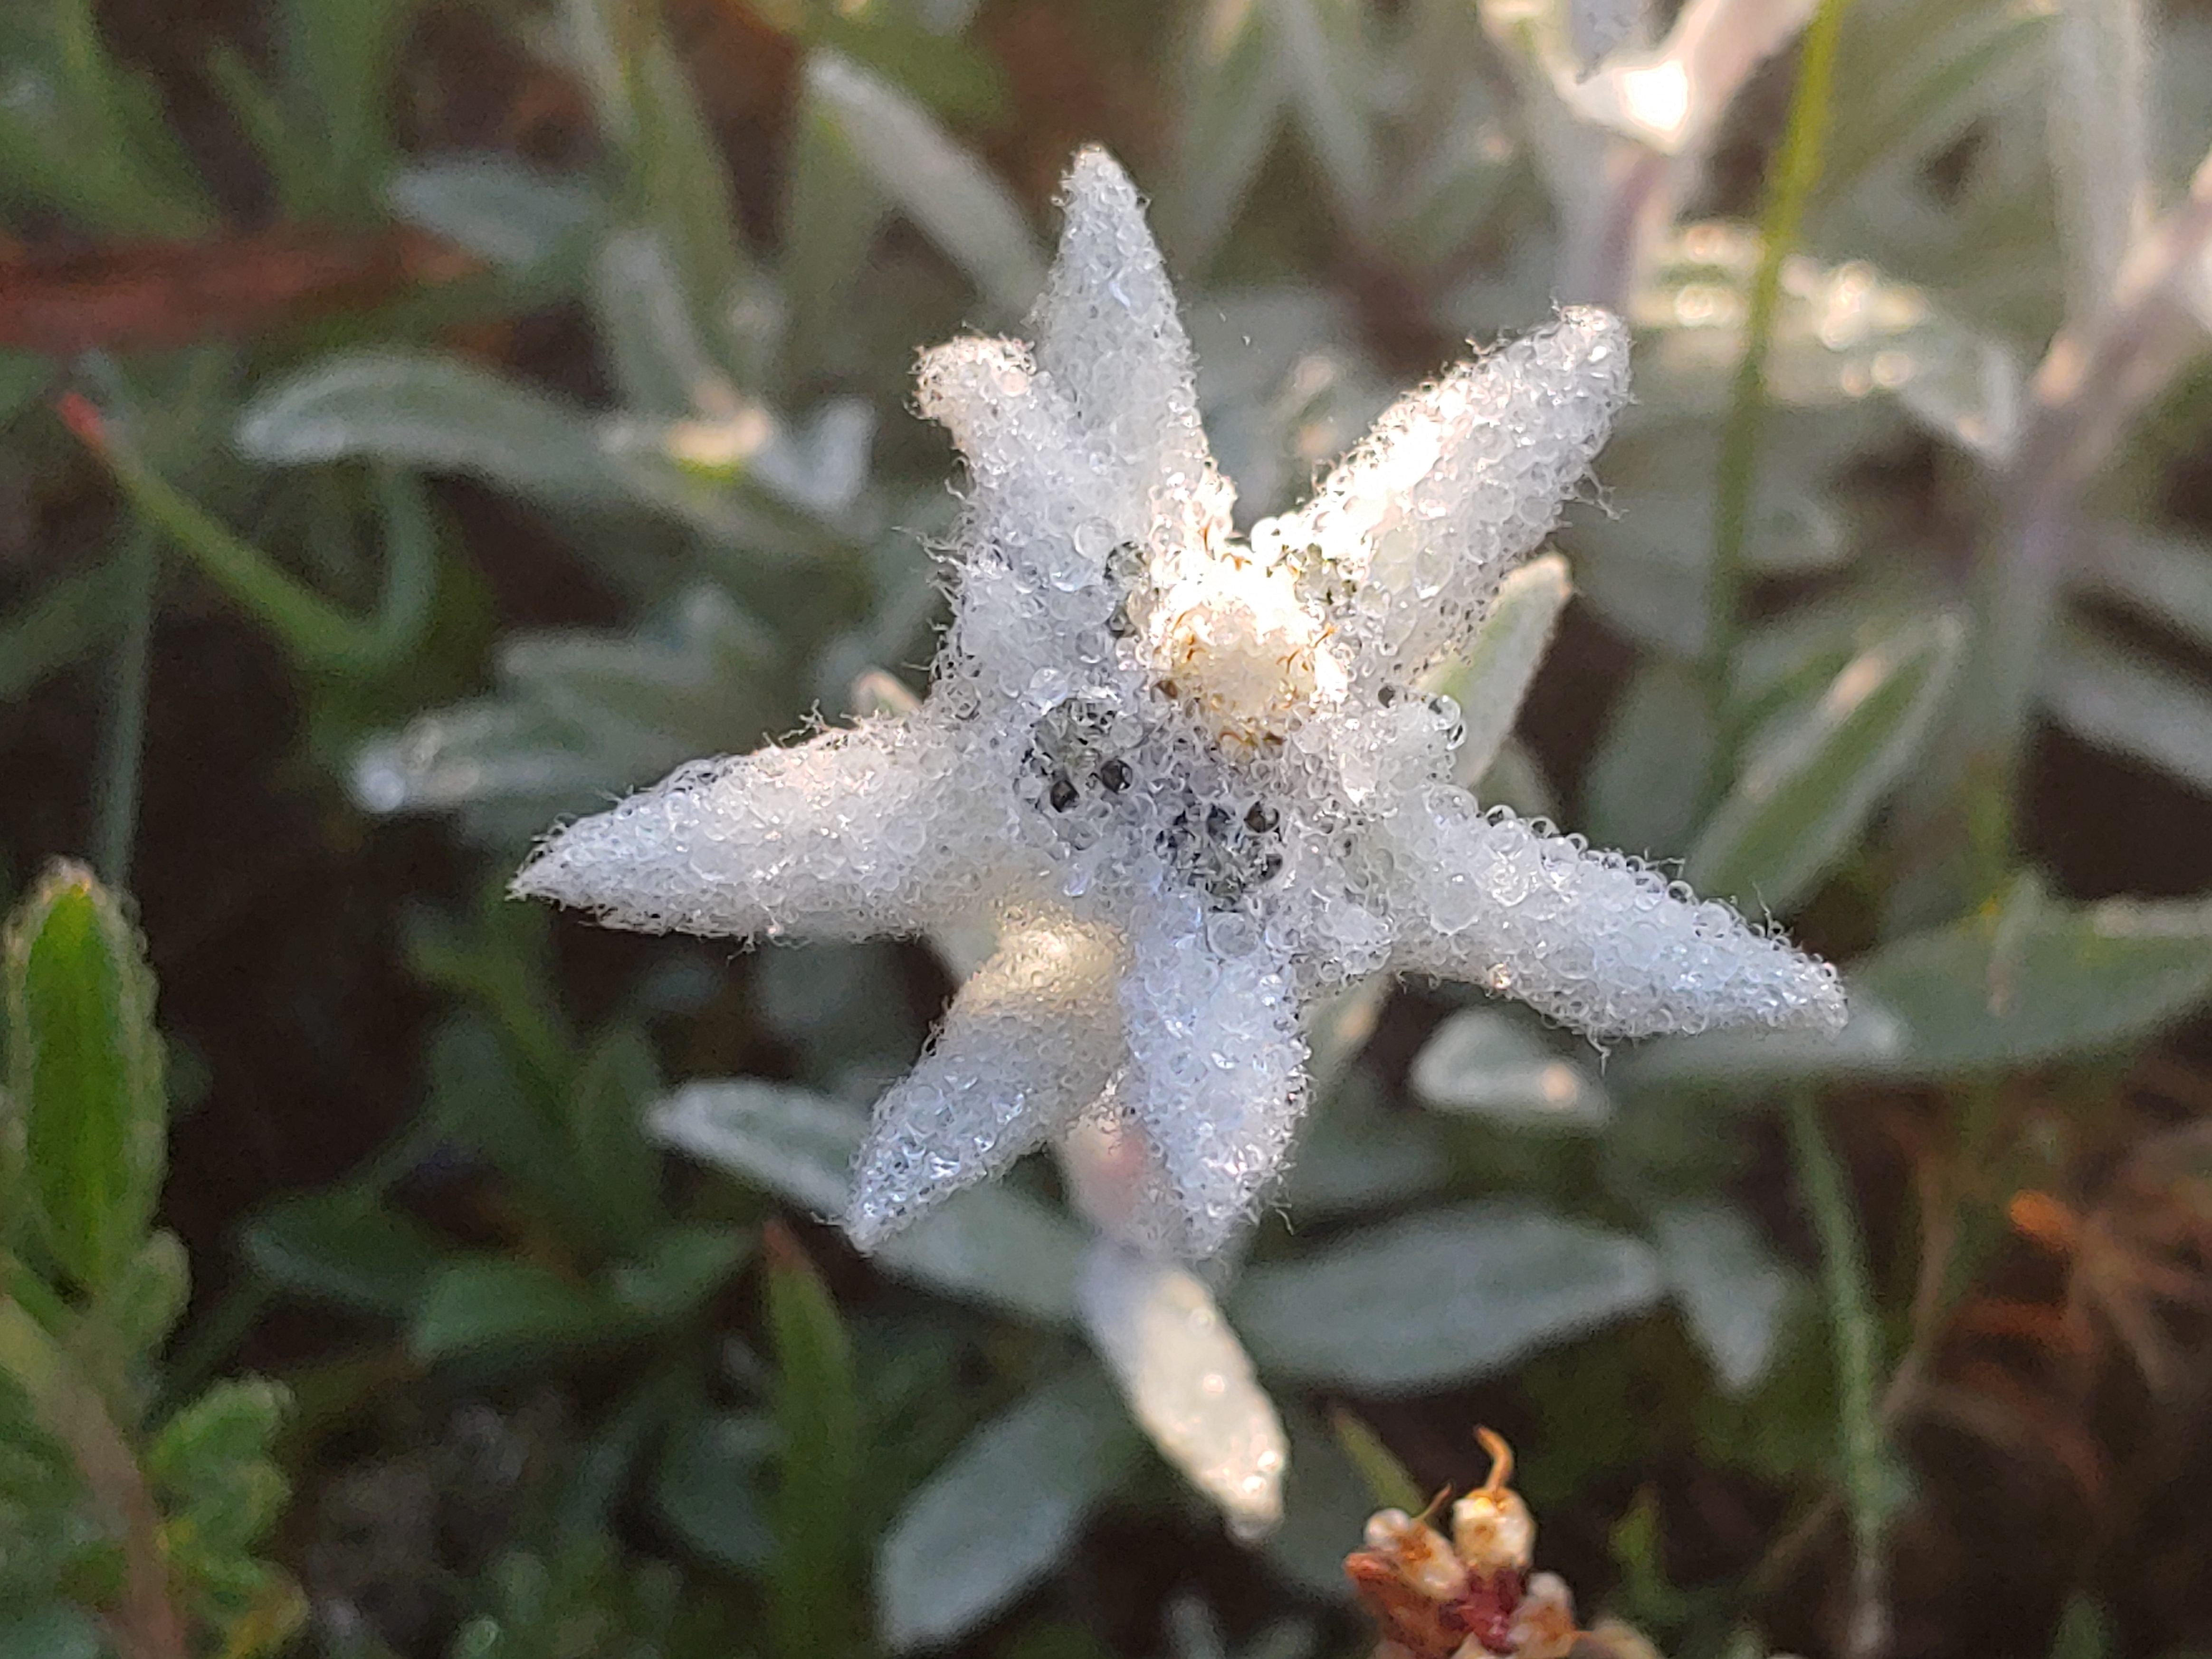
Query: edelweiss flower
point(1191, 780)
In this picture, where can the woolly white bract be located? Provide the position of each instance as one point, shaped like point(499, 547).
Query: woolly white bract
point(1190, 779)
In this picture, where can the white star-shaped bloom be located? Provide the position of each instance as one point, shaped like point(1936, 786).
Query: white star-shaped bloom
point(1190, 781)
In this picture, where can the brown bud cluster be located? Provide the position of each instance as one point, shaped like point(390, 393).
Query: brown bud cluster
point(1472, 1596)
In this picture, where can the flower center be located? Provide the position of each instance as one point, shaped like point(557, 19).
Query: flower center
point(1233, 643)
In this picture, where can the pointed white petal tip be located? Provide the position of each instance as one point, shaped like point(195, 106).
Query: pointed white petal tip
point(562, 868)
point(1772, 984)
point(1592, 347)
point(629, 866)
point(866, 1223)
point(955, 381)
point(1816, 1000)
point(1095, 178)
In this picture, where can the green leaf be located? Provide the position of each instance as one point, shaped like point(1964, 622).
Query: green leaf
point(59, 1632)
point(580, 717)
point(339, 59)
point(221, 1490)
point(1733, 1289)
point(1925, 78)
point(990, 1245)
point(2168, 579)
point(317, 632)
point(680, 1269)
point(939, 185)
point(1388, 1482)
point(1811, 783)
point(1515, 779)
point(2099, 126)
point(488, 1106)
point(83, 136)
point(496, 207)
point(1441, 1297)
point(832, 213)
point(85, 1072)
point(1001, 1512)
point(1465, 159)
point(213, 1459)
point(1841, 333)
point(440, 413)
point(696, 675)
point(1875, 1040)
point(1996, 993)
point(1482, 1062)
point(1490, 683)
point(1327, 65)
point(646, 332)
point(323, 133)
point(342, 1247)
point(2084, 1631)
point(619, 1167)
point(1326, 1501)
point(650, 109)
point(583, 1598)
point(148, 1297)
point(67, 618)
point(1357, 1152)
point(709, 1486)
point(426, 408)
point(677, 173)
point(1648, 779)
point(790, 1141)
point(492, 1307)
point(995, 1247)
point(925, 55)
point(1234, 94)
point(55, 1537)
point(1659, 537)
point(1281, 382)
point(2122, 701)
point(1651, 592)
point(812, 1604)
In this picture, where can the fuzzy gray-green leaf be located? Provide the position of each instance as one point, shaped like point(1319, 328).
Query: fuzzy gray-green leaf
point(990, 1245)
point(2129, 704)
point(1979, 996)
point(935, 182)
point(1807, 789)
point(1491, 681)
point(1733, 1289)
point(1485, 1063)
point(998, 1514)
point(1445, 1297)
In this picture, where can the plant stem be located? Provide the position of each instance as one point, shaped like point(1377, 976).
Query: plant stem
point(316, 631)
point(142, 1620)
point(1791, 182)
point(1867, 1484)
point(2095, 382)
point(65, 623)
point(123, 746)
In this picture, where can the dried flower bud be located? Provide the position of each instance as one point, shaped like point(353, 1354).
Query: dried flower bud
point(1472, 1596)
point(1492, 1529)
